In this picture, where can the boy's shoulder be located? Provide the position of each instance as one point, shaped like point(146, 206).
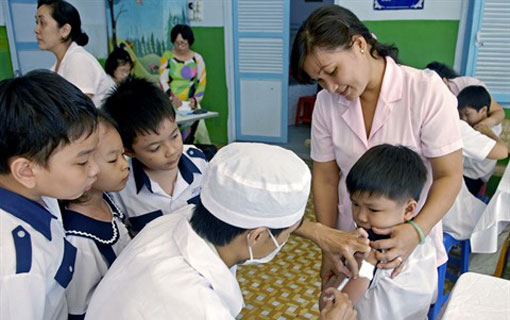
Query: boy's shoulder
point(195, 155)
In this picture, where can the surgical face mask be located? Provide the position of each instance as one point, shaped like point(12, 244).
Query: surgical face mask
point(267, 258)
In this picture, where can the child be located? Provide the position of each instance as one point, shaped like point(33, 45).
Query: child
point(47, 137)
point(165, 175)
point(93, 223)
point(119, 65)
point(473, 104)
point(384, 186)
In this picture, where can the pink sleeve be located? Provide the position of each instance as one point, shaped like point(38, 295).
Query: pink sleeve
point(440, 133)
point(322, 148)
point(462, 82)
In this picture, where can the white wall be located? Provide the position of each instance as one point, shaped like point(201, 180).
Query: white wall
point(212, 14)
point(2, 18)
point(432, 10)
point(93, 22)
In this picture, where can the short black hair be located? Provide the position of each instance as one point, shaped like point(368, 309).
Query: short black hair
point(63, 12)
point(395, 172)
point(40, 112)
point(475, 97)
point(442, 70)
point(185, 32)
point(118, 57)
point(217, 232)
point(138, 106)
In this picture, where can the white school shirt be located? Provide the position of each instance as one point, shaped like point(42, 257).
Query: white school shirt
point(167, 272)
point(465, 212)
point(482, 168)
point(84, 71)
point(143, 200)
point(36, 261)
point(406, 297)
point(415, 109)
point(98, 243)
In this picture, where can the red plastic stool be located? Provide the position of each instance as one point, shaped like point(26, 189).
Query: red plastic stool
point(304, 110)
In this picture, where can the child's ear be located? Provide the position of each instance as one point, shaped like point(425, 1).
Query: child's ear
point(410, 209)
point(484, 111)
point(22, 170)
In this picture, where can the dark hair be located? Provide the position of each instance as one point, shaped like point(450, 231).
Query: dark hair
point(214, 230)
point(63, 12)
point(139, 107)
point(118, 57)
point(395, 172)
point(330, 27)
point(442, 70)
point(185, 32)
point(475, 97)
point(40, 112)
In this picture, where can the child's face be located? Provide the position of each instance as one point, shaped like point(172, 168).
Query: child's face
point(71, 170)
point(373, 210)
point(159, 151)
point(472, 116)
point(109, 155)
point(122, 72)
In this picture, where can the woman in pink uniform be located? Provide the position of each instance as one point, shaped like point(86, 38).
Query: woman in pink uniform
point(370, 99)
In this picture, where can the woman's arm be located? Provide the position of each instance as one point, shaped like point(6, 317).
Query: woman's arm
point(326, 176)
point(447, 179)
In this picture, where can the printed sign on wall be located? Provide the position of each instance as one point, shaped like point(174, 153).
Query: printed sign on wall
point(398, 4)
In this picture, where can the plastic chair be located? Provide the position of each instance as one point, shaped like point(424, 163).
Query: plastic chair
point(462, 263)
point(304, 110)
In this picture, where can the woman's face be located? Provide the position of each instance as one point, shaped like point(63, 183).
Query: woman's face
point(47, 31)
point(122, 72)
point(181, 44)
point(342, 71)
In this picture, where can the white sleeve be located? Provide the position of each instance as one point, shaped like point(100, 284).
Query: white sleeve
point(86, 276)
point(477, 146)
point(213, 306)
point(22, 296)
point(83, 73)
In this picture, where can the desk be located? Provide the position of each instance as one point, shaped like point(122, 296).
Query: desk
point(494, 218)
point(478, 296)
point(180, 119)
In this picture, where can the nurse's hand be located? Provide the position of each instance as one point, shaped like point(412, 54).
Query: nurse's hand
point(398, 248)
point(337, 306)
point(339, 247)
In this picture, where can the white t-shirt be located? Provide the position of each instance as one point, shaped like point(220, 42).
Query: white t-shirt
point(99, 243)
point(143, 200)
point(407, 296)
point(84, 71)
point(476, 168)
point(36, 261)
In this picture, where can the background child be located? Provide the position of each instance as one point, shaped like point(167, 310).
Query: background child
point(385, 186)
point(93, 223)
point(47, 137)
point(119, 65)
point(165, 175)
point(473, 104)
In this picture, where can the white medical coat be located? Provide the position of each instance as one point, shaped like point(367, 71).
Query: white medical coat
point(406, 297)
point(167, 272)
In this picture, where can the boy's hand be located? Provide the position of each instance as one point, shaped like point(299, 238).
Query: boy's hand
point(398, 248)
point(482, 128)
point(337, 306)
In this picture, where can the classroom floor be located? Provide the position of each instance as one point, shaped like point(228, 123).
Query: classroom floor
point(289, 286)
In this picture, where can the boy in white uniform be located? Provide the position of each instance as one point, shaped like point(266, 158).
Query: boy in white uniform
point(47, 137)
point(253, 197)
point(385, 186)
point(165, 175)
point(473, 105)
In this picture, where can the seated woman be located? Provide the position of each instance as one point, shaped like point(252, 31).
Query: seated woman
point(119, 65)
point(183, 75)
point(58, 29)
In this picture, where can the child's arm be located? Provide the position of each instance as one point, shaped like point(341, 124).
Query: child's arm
point(356, 288)
point(499, 151)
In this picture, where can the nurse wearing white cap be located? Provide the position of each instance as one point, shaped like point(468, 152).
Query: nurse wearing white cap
point(177, 267)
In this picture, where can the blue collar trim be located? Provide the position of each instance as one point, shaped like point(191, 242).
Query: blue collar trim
point(141, 178)
point(186, 168)
point(27, 210)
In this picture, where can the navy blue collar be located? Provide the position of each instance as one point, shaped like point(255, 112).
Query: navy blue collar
point(27, 210)
point(186, 168)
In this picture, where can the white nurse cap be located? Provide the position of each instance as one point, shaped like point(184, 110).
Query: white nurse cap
point(250, 185)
